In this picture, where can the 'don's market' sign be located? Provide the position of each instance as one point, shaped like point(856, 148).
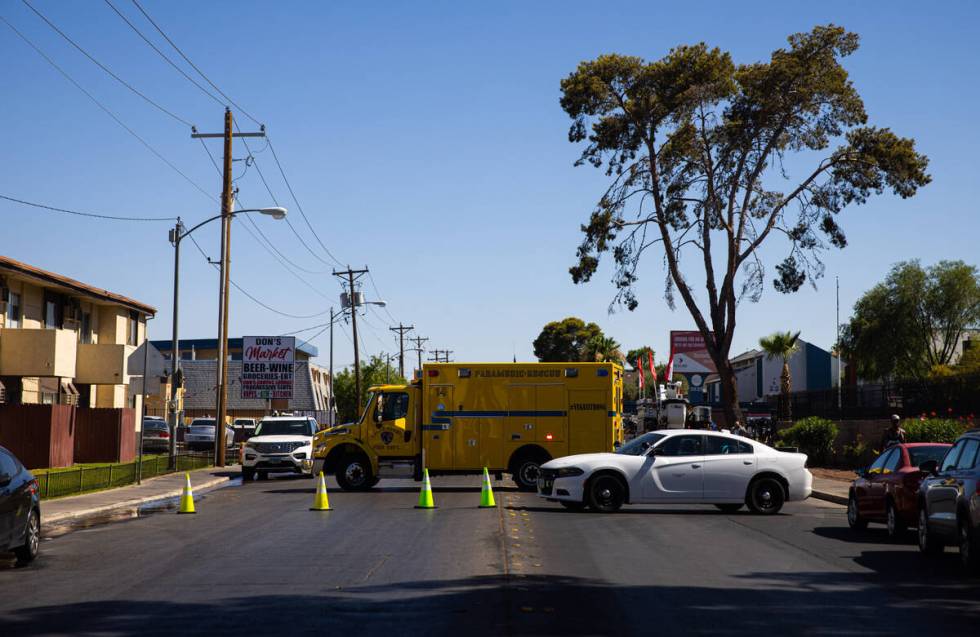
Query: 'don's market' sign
point(267, 367)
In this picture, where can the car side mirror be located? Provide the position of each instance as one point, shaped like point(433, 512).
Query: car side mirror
point(378, 412)
point(929, 467)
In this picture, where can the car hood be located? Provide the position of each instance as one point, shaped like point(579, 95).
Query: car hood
point(280, 439)
point(580, 459)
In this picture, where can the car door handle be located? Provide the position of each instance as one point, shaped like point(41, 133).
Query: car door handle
point(695, 466)
point(746, 462)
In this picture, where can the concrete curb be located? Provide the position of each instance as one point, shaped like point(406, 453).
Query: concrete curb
point(132, 502)
point(829, 497)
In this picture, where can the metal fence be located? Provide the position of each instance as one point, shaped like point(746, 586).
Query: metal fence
point(75, 480)
point(954, 396)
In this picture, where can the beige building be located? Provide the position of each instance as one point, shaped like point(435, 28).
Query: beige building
point(66, 342)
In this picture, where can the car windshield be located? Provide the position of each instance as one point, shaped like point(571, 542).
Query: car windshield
point(638, 446)
point(284, 428)
point(918, 455)
point(203, 426)
point(155, 424)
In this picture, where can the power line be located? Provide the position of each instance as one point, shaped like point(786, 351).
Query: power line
point(107, 111)
point(243, 291)
point(293, 194)
point(104, 67)
point(85, 214)
point(162, 54)
point(194, 66)
point(380, 297)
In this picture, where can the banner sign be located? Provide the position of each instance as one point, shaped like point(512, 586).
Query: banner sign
point(690, 353)
point(267, 367)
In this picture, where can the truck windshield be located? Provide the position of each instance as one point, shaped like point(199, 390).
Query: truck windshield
point(638, 446)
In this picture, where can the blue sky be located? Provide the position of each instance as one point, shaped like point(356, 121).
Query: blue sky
point(426, 141)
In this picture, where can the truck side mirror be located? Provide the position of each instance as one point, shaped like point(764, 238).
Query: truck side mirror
point(378, 411)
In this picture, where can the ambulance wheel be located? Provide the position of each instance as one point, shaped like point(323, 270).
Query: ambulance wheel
point(354, 474)
point(526, 468)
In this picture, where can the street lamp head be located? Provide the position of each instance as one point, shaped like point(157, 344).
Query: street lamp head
point(378, 303)
point(276, 212)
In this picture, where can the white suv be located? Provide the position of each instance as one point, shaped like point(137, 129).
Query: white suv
point(280, 444)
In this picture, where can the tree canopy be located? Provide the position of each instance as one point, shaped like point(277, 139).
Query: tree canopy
point(639, 353)
point(911, 323)
point(696, 147)
point(566, 340)
point(376, 371)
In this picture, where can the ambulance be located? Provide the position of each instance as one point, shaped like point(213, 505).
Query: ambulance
point(458, 418)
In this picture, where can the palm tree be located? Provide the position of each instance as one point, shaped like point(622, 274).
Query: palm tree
point(603, 348)
point(782, 345)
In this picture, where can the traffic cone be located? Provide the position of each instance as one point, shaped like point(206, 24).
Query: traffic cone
point(187, 499)
point(486, 493)
point(425, 495)
point(320, 501)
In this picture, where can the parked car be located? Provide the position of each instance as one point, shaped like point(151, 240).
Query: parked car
point(200, 435)
point(156, 434)
point(887, 491)
point(244, 428)
point(279, 444)
point(949, 501)
point(20, 509)
point(679, 466)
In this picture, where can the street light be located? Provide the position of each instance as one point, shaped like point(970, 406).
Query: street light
point(177, 234)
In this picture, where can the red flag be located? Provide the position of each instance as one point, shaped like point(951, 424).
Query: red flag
point(669, 373)
point(639, 372)
point(653, 370)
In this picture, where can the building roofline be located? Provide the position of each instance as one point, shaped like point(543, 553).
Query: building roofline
point(164, 345)
point(11, 265)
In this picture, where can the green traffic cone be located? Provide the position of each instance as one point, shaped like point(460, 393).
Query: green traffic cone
point(486, 493)
point(425, 495)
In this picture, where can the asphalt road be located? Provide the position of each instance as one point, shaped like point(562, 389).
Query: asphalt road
point(255, 560)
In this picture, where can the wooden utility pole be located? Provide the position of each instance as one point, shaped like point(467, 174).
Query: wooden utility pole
point(351, 277)
point(401, 329)
point(418, 349)
point(227, 203)
point(441, 355)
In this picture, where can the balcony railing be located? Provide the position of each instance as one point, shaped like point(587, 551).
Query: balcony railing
point(102, 364)
point(37, 352)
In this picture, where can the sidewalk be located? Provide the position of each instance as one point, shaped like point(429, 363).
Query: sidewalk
point(830, 490)
point(161, 488)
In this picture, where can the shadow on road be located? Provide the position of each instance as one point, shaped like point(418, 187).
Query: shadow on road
point(767, 603)
point(638, 511)
point(868, 536)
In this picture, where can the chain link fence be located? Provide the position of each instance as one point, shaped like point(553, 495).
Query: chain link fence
point(61, 482)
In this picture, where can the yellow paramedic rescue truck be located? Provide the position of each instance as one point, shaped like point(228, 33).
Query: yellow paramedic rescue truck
point(461, 417)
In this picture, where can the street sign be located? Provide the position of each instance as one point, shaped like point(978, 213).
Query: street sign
point(267, 367)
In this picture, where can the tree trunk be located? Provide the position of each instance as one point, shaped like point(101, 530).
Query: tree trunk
point(785, 387)
point(729, 392)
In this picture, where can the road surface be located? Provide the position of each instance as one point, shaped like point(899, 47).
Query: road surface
point(254, 559)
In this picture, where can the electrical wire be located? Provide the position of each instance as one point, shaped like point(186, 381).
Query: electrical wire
point(108, 111)
point(106, 68)
point(381, 298)
point(85, 214)
point(194, 66)
point(272, 195)
point(302, 212)
point(162, 54)
point(253, 298)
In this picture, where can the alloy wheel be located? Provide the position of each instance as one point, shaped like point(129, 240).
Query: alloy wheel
point(33, 534)
point(355, 473)
point(892, 522)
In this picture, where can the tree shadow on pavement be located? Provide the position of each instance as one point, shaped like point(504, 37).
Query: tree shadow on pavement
point(766, 603)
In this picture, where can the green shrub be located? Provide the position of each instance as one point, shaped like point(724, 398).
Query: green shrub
point(932, 430)
point(814, 437)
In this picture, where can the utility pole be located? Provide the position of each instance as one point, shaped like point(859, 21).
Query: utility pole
point(418, 350)
point(840, 368)
point(174, 414)
point(351, 277)
point(330, 405)
point(227, 202)
point(401, 329)
point(441, 355)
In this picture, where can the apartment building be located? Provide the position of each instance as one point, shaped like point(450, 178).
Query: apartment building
point(65, 342)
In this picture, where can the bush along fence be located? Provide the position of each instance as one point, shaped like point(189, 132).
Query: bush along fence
point(54, 483)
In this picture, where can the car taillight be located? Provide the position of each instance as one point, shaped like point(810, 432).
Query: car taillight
point(32, 486)
point(164, 434)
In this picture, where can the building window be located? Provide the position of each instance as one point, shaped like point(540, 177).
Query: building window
point(133, 337)
point(13, 311)
point(85, 336)
point(50, 315)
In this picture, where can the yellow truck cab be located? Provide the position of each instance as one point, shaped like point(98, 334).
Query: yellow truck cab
point(461, 417)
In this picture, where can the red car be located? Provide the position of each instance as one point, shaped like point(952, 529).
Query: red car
point(887, 491)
